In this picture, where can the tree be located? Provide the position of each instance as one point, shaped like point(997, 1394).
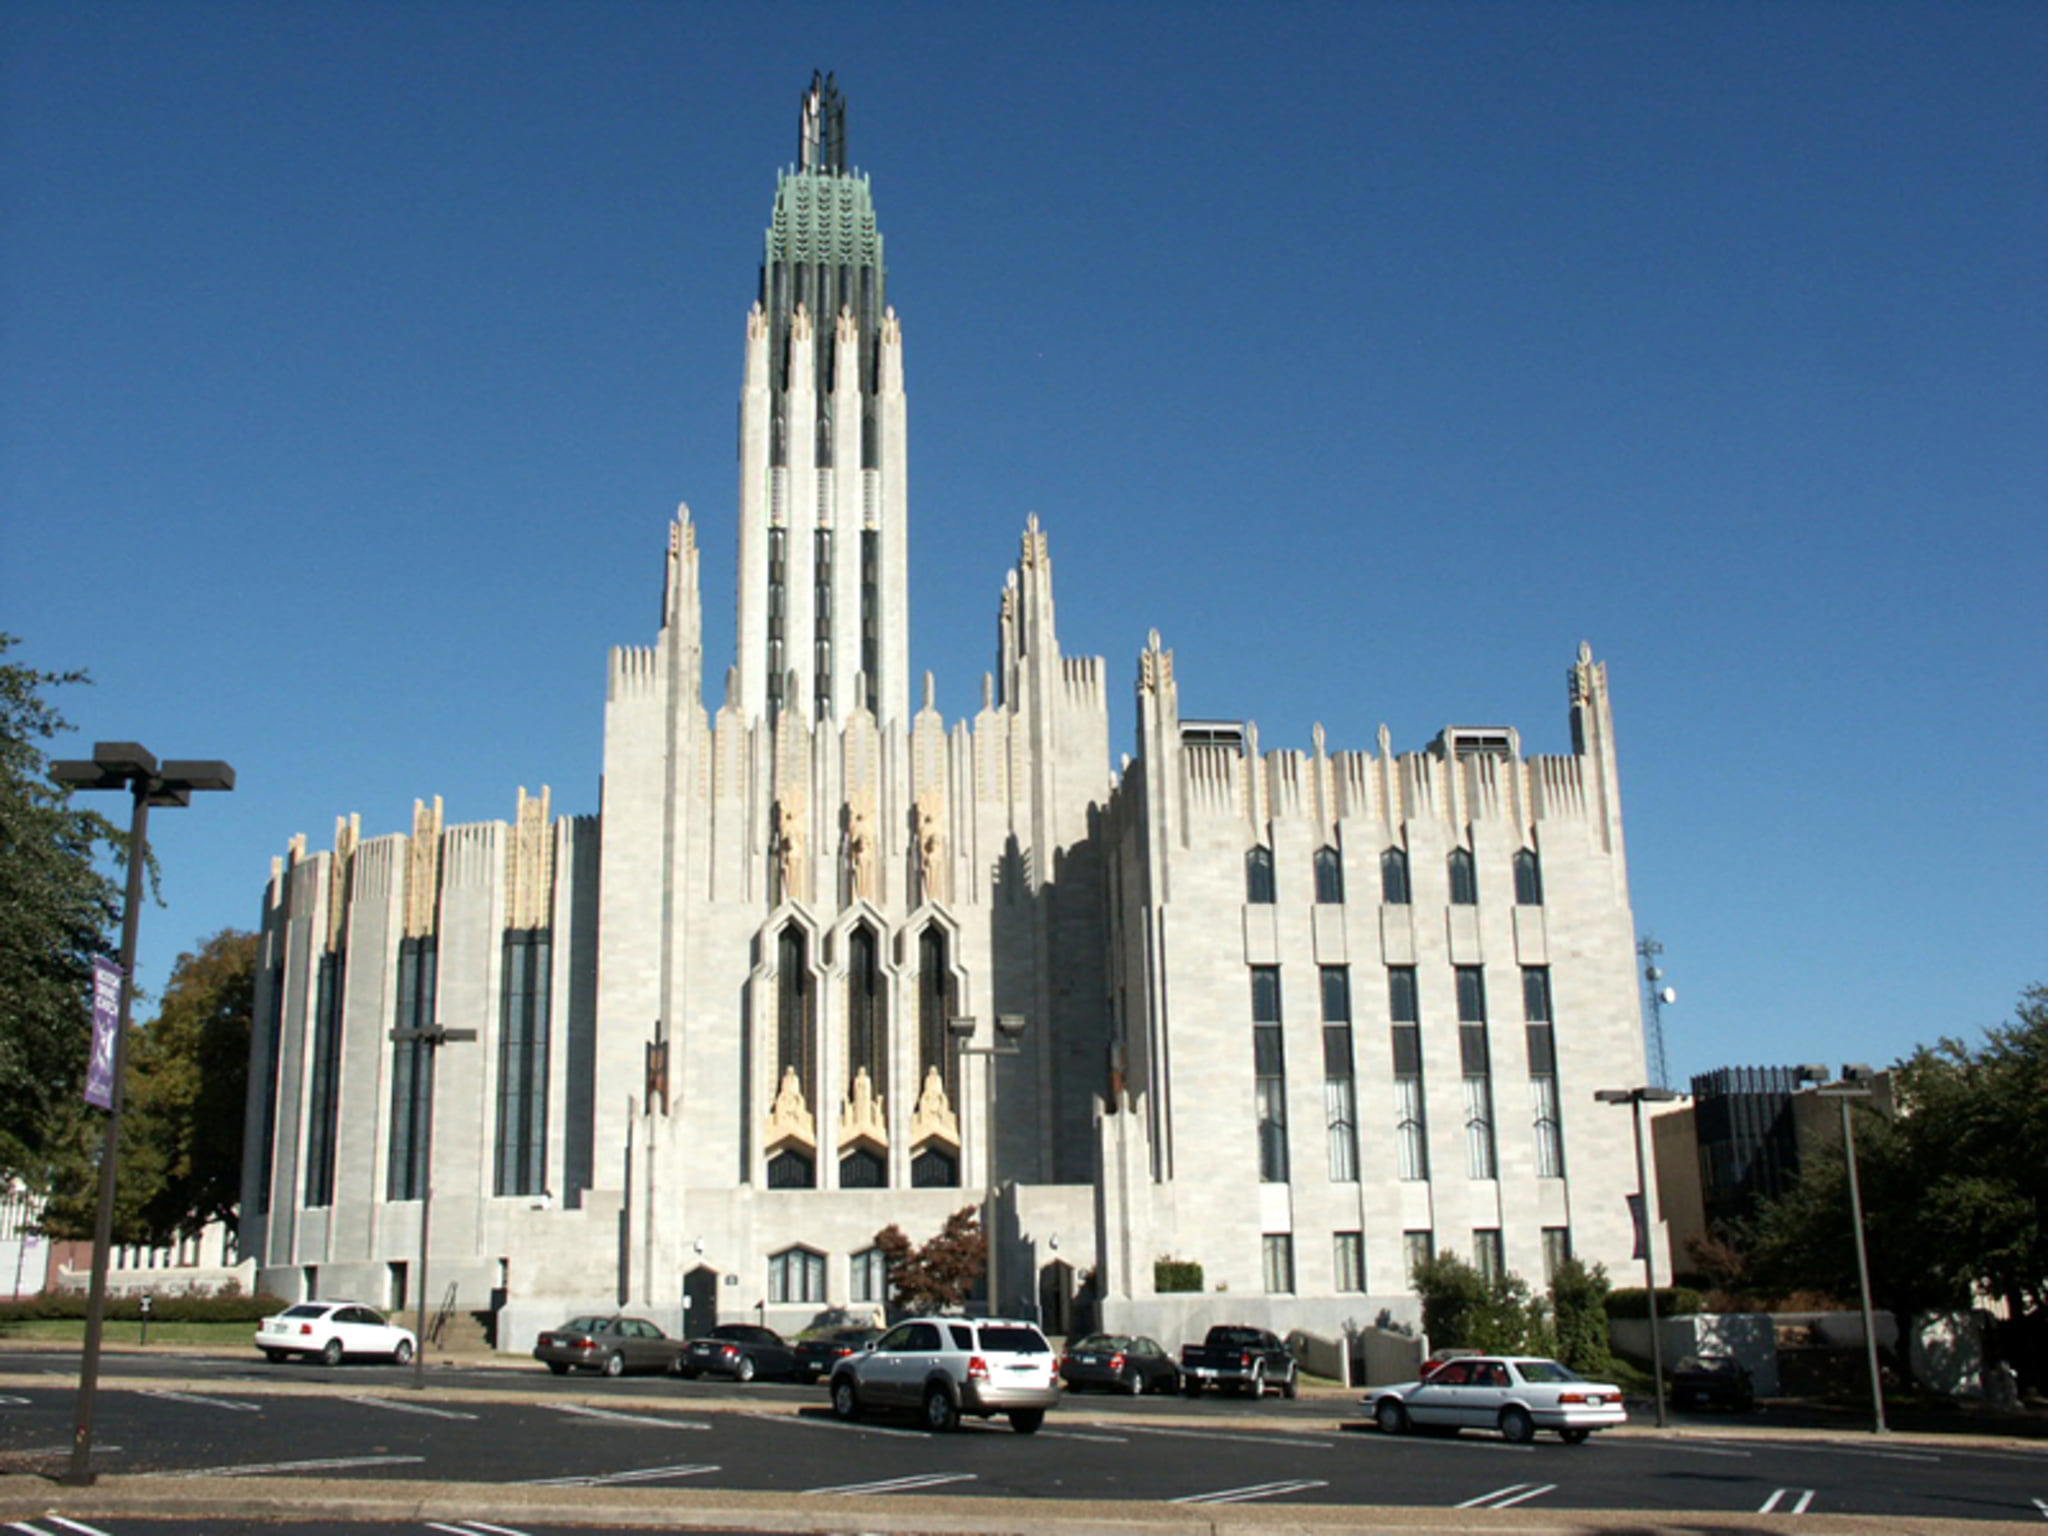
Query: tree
point(942, 1272)
point(1578, 1305)
point(57, 911)
point(1463, 1309)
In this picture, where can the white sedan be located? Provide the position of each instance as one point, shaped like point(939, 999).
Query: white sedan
point(331, 1331)
point(1514, 1394)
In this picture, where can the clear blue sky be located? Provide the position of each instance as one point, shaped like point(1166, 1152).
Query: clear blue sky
point(354, 357)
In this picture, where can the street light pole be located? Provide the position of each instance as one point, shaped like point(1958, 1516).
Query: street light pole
point(121, 765)
point(1855, 1084)
point(433, 1038)
point(1007, 1042)
point(1635, 1098)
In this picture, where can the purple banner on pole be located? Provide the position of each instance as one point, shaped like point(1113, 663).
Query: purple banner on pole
point(106, 1023)
point(1635, 1215)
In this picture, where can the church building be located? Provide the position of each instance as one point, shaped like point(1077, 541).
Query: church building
point(826, 961)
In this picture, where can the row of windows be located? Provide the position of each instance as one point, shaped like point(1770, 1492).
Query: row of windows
point(1489, 1256)
point(797, 1275)
point(1411, 1126)
point(1460, 869)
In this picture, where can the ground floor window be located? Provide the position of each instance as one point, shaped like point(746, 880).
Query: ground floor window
point(1350, 1261)
point(796, 1275)
point(870, 1276)
point(1279, 1262)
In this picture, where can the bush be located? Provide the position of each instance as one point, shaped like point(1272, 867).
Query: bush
point(1176, 1275)
point(1672, 1301)
point(1461, 1309)
point(1578, 1305)
point(169, 1308)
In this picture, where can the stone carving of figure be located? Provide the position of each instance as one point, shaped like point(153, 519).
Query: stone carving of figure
point(789, 851)
point(931, 854)
point(860, 854)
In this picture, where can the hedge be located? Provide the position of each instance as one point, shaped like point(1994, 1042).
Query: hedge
point(172, 1307)
point(1176, 1275)
point(1672, 1301)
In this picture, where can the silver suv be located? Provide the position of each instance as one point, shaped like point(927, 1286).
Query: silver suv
point(942, 1367)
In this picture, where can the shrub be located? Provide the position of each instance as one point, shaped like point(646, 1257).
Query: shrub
point(1672, 1301)
point(1578, 1305)
point(1461, 1309)
point(1176, 1275)
point(172, 1307)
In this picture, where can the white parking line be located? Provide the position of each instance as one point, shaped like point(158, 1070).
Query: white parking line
point(841, 1425)
point(1075, 1434)
point(233, 1405)
point(615, 1417)
point(1508, 1497)
point(1204, 1434)
point(1253, 1491)
point(327, 1464)
point(76, 1525)
point(605, 1479)
point(2042, 1505)
point(13, 1402)
point(397, 1407)
point(472, 1528)
point(1770, 1505)
point(899, 1484)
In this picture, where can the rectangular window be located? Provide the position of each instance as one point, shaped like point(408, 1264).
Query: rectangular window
point(1557, 1248)
point(523, 1062)
point(870, 612)
point(1269, 1067)
point(1476, 1063)
point(412, 1071)
point(1411, 1128)
point(1278, 1253)
point(870, 1276)
point(1340, 1097)
point(1544, 1110)
point(274, 1033)
point(1488, 1256)
point(324, 1103)
point(1417, 1249)
point(1350, 1256)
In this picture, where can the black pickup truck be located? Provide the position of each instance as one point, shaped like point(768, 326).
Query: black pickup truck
point(1237, 1359)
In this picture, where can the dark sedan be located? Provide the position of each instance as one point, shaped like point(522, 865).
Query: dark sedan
point(1119, 1362)
point(743, 1351)
point(1712, 1381)
point(610, 1345)
point(819, 1352)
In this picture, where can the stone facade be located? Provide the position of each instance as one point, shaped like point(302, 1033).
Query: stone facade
point(748, 1015)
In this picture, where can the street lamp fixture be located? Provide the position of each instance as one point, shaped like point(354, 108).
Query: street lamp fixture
point(131, 766)
point(433, 1037)
point(1857, 1083)
point(1636, 1098)
point(1006, 1041)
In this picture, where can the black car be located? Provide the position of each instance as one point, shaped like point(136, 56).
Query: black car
point(743, 1351)
point(1119, 1362)
point(817, 1353)
point(1712, 1381)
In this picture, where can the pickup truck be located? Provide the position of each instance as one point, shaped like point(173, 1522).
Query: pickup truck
point(1238, 1359)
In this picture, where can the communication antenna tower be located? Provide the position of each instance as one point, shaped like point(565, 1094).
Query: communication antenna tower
point(1658, 995)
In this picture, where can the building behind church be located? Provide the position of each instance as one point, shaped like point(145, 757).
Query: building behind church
point(827, 961)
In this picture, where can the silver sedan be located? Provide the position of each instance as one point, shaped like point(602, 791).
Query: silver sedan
point(1514, 1394)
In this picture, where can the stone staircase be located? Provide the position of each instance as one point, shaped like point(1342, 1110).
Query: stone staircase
point(462, 1333)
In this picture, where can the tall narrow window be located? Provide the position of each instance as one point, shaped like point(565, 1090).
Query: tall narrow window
point(1277, 1251)
point(1340, 1098)
point(1394, 877)
point(1329, 875)
point(1350, 1261)
point(867, 1032)
point(1528, 879)
point(412, 1071)
point(777, 575)
point(1544, 1108)
point(869, 1275)
point(870, 612)
point(1557, 1249)
point(1464, 878)
point(1411, 1128)
point(934, 1008)
point(1418, 1247)
point(1269, 1065)
point(821, 621)
point(324, 1101)
point(796, 1044)
point(1258, 875)
point(1478, 1069)
point(523, 1063)
point(1488, 1256)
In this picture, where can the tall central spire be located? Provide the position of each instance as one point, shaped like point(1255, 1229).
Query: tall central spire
point(821, 145)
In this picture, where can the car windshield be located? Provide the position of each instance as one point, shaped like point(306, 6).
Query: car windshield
point(581, 1325)
point(1236, 1338)
point(307, 1310)
point(1015, 1341)
point(1545, 1370)
point(1108, 1341)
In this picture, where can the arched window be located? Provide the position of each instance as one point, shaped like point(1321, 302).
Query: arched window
point(934, 1008)
point(867, 1014)
point(1329, 875)
point(1258, 876)
point(1528, 879)
point(796, 1275)
point(1394, 877)
point(795, 1011)
point(1464, 879)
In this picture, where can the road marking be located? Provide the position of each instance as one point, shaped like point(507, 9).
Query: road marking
point(76, 1525)
point(1704, 1450)
point(637, 1475)
point(397, 1407)
point(2042, 1505)
point(1770, 1505)
point(1075, 1434)
point(233, 1405)
point(627, 1418)
point(472, 1527)
point(1254, 1491)
point(1508, 1497)
point(843, 1425)
point(899, 1484)
point(1203, 1434)
point(14, 1402)
point(327, 1464)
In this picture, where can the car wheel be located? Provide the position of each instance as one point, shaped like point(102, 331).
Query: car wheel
point(559, 1367)
point(1192, 1387)
point(1026, 1420)
point(276, 1356)
point(330, 1353)
point(687, 1372)
point(941, 1413)
point(1574, 1436)
point(1133, 1384)
point(403, 1354)
point(615, 1364)
point(1291, 1387)
point(744, 1371)
point(1391, 1417)
point(1516, 1427)
point(845, 1399)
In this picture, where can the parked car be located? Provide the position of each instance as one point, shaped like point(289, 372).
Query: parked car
point(1233, 1358)
point(943, 1367)
point(1712, 1381)
point(1517, 1395)
point(333, 1331)
point(1119, 1362)
point(610, 1345)
point(743, 1351)
point(817, 1354)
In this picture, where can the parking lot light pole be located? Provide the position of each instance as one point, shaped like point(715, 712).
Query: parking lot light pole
point(433, 1038)
point(131, 766)
point(1007, 1042)
point(1856, 1084)
point(1636, 1098)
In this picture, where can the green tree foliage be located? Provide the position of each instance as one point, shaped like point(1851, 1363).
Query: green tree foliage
point(940, 1274)
point(1578, 1308)
point(57, 911)
point(1462, 1309)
